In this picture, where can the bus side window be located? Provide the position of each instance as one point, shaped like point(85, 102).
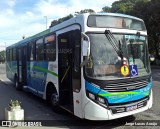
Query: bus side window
point(10, 54)
point(50, 48)
point(31, 51)
point(14, 54)
point(39, 48)
point(7, 55)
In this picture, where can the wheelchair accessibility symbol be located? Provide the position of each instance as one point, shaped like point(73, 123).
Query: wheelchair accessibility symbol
point(133, 70)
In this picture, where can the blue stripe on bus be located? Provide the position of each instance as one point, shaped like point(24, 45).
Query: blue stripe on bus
point(120, 97)
point(90, 87)
point(36, 78)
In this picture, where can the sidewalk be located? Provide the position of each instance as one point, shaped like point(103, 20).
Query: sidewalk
point(6, 94)
point(4, 79)
point(3, 74)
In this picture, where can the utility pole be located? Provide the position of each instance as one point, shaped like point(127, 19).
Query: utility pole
point(46, 21)
point(5, 46)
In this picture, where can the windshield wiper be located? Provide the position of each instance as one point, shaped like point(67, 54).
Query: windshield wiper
point(115, 44)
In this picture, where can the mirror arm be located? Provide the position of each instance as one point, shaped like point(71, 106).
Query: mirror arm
point(84, 62)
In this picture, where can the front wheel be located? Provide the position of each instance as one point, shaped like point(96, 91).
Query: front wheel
point(54, 102)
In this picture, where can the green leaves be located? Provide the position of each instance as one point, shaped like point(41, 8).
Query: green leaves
point(85, 11)
point(60, 20)
point(106, 9)
point(2, 56)
point(14, 103)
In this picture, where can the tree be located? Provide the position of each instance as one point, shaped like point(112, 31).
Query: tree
point(122, 6)
point(153, 26)
point(2, 56)
point(85, 11)
point(149, 11)
point(106, 9)
point(60, 20)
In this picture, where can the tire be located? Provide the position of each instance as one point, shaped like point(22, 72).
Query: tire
point(16, 83)
point(54, 101)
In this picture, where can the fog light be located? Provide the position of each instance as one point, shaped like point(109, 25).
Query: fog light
point(101, 100)
point(92, 96)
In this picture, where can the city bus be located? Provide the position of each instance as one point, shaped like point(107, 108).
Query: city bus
point(94, 65)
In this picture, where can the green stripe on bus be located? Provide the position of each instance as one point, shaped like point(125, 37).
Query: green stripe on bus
point(122, 93)
point(45, 70)
point(146, 94)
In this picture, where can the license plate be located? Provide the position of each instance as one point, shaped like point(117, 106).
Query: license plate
point(130, 108)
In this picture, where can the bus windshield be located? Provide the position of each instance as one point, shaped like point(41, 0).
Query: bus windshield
point(105, 63)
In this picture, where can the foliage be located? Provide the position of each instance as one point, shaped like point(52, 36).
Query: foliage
point(2, 56)
point(14, 103)
point(85, 11)
point(106, 9)
point(123, 6)
point(152, 20)
point(60, 20)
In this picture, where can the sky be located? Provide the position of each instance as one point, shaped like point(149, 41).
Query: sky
point(27, 17)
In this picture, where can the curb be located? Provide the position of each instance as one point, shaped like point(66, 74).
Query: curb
point(6, 82)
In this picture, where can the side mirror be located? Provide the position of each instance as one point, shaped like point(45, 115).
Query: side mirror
point(85, 48)
point(85, 45)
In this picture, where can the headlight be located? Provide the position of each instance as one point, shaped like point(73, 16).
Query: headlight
point(91, 96)
point(101, 100)
point(97, 99)
point(152, 58)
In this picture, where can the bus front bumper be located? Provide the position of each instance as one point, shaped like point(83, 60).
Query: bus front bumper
point(94, 111)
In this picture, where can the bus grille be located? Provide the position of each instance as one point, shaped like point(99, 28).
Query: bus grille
point(126, 86)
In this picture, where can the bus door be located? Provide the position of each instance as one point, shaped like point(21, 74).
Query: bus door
point(69, 76)
point(22, 70)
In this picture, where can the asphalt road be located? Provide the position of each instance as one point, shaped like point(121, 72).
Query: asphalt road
point(37, 109)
